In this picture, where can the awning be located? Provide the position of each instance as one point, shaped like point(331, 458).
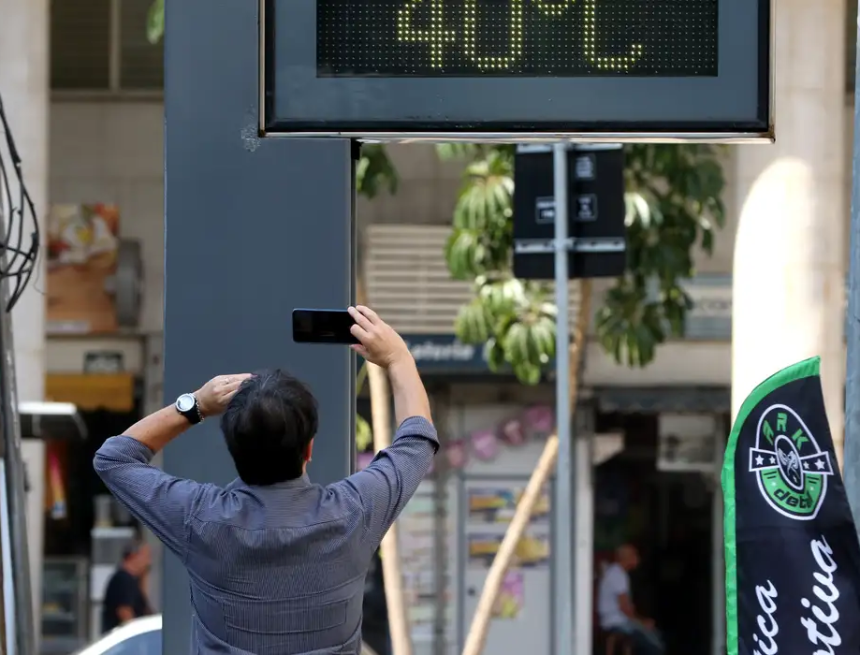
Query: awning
point(655, 400)
point(54, 420)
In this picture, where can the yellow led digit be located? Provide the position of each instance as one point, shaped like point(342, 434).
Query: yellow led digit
point(608, 63)
point(436, 36)
point(515, 43)
point(553, 7)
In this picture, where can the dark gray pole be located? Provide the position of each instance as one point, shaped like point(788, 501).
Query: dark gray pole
point(254, 228)
point(15, 493)
point(564, 505)
point(851, 460)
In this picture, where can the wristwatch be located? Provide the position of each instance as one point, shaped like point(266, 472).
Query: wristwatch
point(187, 405)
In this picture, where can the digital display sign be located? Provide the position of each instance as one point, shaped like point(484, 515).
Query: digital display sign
point(532, 38)
point(517, 70)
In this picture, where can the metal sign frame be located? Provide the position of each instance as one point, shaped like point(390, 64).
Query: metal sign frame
point(763, 130)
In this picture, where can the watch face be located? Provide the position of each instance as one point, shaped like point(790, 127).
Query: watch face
point(185, 402)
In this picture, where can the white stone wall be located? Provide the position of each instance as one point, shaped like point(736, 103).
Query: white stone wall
point(24, 88)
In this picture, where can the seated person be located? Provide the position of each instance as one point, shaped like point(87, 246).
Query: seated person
point(615, 608)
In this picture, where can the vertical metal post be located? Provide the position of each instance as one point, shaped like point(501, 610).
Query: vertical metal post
point(582, 485)
point(851, 459)
point(14, 494)
point(563, 506)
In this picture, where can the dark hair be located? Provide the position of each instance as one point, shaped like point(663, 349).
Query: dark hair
point(132, 548)
point(268, 426)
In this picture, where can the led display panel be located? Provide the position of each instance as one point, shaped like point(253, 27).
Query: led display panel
point(517, 69)
point(533, 38)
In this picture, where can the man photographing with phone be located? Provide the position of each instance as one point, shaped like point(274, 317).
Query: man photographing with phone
point(276, 563)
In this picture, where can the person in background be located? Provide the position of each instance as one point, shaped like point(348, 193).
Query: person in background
point(374, 626)
point(276, 563)
point(125, 598)
point(615, 607)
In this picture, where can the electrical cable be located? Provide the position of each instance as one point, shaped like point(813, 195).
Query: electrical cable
point(17, 263)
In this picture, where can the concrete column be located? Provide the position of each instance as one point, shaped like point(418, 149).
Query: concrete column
point(789, 268)
point(24, 64)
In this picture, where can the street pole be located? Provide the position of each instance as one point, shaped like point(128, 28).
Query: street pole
point(851, 456)
point(563, 547)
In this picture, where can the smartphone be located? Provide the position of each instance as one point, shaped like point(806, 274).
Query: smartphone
point(322, 326)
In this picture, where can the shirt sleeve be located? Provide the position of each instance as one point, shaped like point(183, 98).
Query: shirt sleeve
point(162, 502)
point(390, 480)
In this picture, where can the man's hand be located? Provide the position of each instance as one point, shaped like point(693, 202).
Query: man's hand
point(214, 396)
point(380, 344)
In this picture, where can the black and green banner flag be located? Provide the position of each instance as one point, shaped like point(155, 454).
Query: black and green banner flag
point(792, 554)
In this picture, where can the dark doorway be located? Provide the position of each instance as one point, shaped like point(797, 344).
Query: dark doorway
point(668, 517)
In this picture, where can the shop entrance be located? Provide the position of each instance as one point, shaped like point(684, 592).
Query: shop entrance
point(669, 517)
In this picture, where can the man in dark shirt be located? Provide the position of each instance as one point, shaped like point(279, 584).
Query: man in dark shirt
point(276, 563)
point(124, 597)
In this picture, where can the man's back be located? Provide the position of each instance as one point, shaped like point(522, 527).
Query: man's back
point(279, 569)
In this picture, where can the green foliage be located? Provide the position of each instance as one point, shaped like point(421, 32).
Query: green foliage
point(375, 171)
point(674, 205)
point(155, 22)
point(363, 432)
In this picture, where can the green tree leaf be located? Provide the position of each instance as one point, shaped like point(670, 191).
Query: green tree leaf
point(673, 206)
point(375, 171)
point(155, 22)
point(363, 434)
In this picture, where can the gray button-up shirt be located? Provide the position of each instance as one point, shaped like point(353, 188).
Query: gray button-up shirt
point(275, 570)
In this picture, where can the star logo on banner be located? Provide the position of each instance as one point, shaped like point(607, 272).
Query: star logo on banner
point(791, 468)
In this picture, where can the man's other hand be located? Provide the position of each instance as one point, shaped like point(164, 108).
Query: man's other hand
point(380, 344)
point(214, 396)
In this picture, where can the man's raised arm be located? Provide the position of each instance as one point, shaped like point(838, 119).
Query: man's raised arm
point(387, 484)
point(160, 501)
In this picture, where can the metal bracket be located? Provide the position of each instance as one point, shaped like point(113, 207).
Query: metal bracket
point(572, 244)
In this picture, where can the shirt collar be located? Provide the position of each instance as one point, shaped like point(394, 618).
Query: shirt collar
point(295, 483)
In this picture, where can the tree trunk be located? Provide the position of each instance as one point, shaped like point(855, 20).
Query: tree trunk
point(380, 409)
point(398, 622)
point(477, 637)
